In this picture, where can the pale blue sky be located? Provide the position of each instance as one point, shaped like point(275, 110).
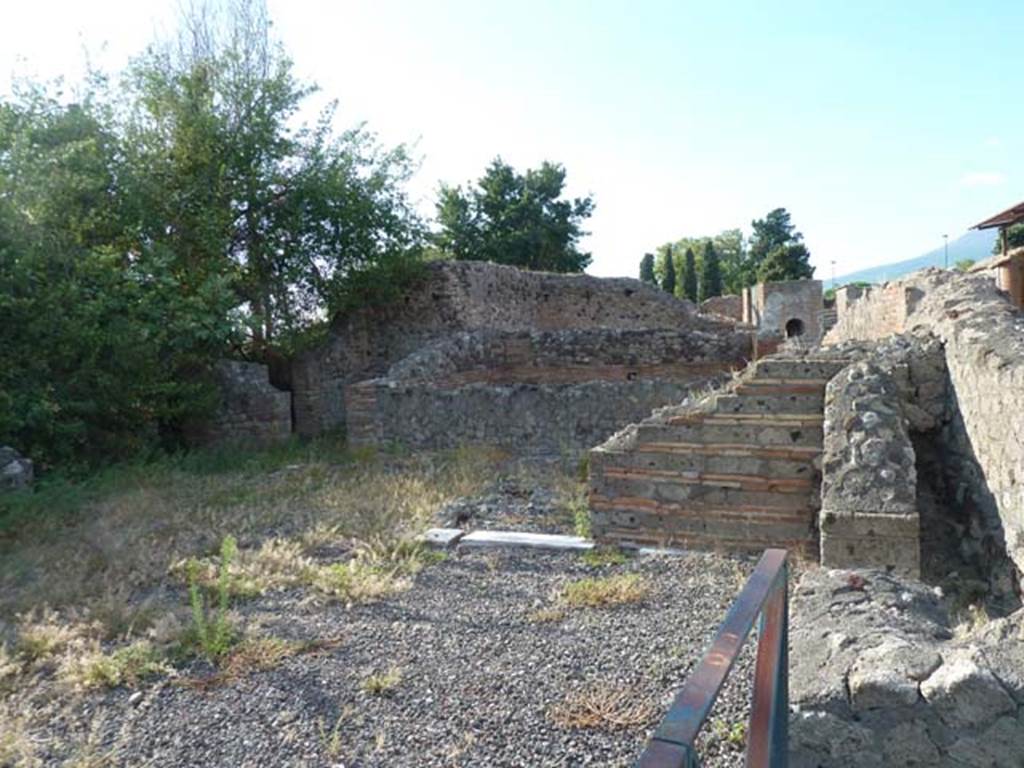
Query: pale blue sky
point(880, 125)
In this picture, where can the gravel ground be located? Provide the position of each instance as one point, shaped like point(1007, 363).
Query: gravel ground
point(512, 502)
point(479, 675)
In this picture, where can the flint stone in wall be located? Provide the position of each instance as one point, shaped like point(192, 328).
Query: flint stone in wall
point(966, 694)
point(16, 472)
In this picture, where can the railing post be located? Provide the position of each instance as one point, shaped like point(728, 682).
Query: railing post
point(768, 736)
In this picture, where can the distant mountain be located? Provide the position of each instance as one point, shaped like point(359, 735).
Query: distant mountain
point(975, 245)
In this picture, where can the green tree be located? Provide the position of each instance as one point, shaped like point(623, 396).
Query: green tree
point(786, 262)
point(1014, 239)
point(777, 251)
point(668, 281)
point(963, 265)
point(647, 269)
point(224, 178)
point(710, 273)
point(515, 218)
point(102, 353)
point(774, 230)
point(690, 276)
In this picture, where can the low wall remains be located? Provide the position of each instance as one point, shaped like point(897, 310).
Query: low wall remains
point(456, 297)
point(983, 339)
point(542, 392)
point(252, 411)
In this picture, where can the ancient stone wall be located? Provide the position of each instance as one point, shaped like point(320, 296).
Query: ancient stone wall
point(724, 306)
point(878, 677)
point(252, 411)
point(539, 392)
point(790, 308)
point(455, 297)
point(869, 515)
point(983, 339)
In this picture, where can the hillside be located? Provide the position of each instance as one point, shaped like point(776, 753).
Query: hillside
point(975, 245)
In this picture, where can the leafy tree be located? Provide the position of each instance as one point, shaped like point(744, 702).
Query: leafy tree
point(690, 275)
point(668, 282)
point(786, 262)
point(774, 230)
point(963, 265)
point(102, 354)
point(1014, 239)
point(777, 250)
point(515, 218)
point(647, 269)
point(710, 273)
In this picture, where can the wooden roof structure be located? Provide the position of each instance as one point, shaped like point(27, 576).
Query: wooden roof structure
point(1008, 217)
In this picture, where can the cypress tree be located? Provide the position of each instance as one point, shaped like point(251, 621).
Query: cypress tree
point(711, 273)
point(690, 276)
point(647, 269)
point(668, 281)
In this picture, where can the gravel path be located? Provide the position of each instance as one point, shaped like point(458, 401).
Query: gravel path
point(479, 674)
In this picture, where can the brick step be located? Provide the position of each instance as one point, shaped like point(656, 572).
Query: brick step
point(761, 419)
point(639, 520)
point(805, 547)
point(745, 482)
point(782, 387)
point(709, 433)
point(697, 494)
point(786, 368)
point(708, 459)
point(766, 404)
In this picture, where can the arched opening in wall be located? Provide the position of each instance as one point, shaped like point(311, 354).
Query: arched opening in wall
point(794, 327)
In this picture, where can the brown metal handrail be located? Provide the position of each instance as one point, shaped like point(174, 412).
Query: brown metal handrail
point(765, 593)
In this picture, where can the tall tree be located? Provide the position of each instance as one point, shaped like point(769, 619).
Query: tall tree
point(227, 181)
point(710, 273)
point(777, 250)
point(647, 269)
point(786, 262)
point(690, 276)
point(515, 218)
point(668, 281)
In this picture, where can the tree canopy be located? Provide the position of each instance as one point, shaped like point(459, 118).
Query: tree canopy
point(647, 269)
point(690, 275)
point(668, 280)
point(154, 222)
point(711, 273)
point(515, 218)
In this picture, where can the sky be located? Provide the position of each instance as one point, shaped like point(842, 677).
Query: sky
point(879, 125)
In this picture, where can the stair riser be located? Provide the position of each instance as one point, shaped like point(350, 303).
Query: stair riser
point(698, 494)
point(710, 464)
point(793, 369)
point(806, 437)
point(769, 404)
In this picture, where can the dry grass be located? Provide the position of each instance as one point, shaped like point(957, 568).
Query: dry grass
point(111, 568)
point(604, 706)
point(16, 746)
point(382, 683)
point(546, 615)
point(605, 592)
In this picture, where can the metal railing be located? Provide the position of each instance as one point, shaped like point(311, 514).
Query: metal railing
point(765, 593)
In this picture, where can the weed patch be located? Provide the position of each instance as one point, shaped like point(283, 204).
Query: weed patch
point(382, 683)
point(605, 592)
point(602, 557)
point(605, 707)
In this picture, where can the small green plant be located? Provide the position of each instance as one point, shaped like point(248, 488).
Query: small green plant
point(125, 666)
point(607, 591)
point(382, 683)
point(602, 557)
point(735, 735)
point(213, 632)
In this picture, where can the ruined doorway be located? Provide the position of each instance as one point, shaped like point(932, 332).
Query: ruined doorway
point(794, 327)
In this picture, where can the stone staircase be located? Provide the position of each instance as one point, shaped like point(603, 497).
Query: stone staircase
point(737, 470)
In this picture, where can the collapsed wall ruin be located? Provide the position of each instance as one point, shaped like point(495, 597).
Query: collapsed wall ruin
point(483, 353)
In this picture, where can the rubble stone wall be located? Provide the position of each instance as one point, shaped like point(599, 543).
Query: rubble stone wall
point(539, 392)
point(869, 515)
point(252, 411)
point(878, 677)
point(983, 338)
point(454, 297)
